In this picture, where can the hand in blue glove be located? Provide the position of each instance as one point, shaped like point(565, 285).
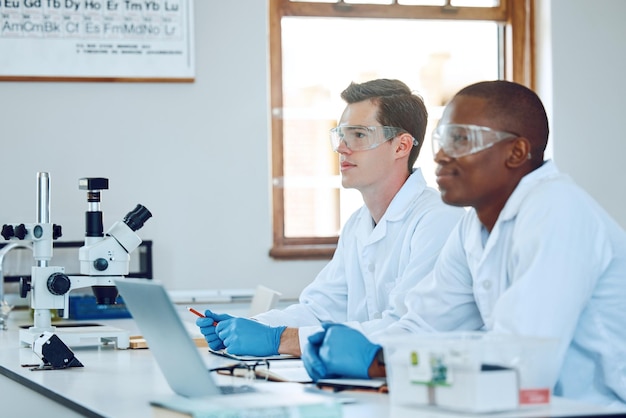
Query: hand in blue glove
point(208, 329)
point(342, 352)
point(311, 359)
point(247, 337)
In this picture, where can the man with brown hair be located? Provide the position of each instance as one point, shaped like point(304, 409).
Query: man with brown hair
point(385, 248)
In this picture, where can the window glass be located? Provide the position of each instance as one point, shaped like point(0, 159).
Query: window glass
point(434, 57)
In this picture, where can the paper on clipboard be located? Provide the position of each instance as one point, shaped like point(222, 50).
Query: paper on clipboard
point(224, 353)
point(287, 370)
point(337, 385)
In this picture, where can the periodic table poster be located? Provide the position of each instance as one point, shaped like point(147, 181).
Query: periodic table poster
point(97, 39)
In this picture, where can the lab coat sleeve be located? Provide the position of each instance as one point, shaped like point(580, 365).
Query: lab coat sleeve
point(426, 240)
point(325, 298)
point(444, 300)
point(428, 236)
point(322, 300)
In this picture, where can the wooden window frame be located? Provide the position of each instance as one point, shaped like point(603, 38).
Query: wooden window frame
point(518, 65)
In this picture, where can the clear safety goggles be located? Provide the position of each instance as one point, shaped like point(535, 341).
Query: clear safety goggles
point(360, 138)
point(461, 140)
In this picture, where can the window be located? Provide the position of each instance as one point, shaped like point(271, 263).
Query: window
point(318, 47)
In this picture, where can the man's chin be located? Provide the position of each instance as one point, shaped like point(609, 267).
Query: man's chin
point(449, 199)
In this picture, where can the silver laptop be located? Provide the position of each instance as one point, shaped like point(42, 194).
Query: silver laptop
point(168, 339)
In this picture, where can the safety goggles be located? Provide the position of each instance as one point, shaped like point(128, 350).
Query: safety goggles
point(360, 138)
point(461, 140)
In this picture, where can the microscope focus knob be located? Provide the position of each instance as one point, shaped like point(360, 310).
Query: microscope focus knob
point(20, 231)
point(57, 231)
point(100, 264)
point(58, 284)
point(7, 231)
point(24, 286)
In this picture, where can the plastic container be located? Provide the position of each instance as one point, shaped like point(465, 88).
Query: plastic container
point(534, 358)
point(419, 367)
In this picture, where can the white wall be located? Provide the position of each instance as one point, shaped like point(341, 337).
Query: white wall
point(582, 64)
point(196, 155)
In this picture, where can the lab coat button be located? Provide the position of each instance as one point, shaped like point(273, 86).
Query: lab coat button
point(371, 268)
point(487, 284)
point(376, 315)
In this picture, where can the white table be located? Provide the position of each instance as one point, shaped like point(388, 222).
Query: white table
point(121, 383)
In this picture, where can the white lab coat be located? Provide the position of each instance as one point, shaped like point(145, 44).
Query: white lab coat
point(373, 267)
point(554, 265)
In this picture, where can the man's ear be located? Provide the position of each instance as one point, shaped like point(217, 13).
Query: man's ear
point(519, 152)
point(404, 144)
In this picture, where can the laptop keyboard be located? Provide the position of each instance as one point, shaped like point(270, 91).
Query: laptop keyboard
point(228, 390)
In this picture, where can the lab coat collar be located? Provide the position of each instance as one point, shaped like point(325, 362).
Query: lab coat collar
point(476, 245)
point(406, 196)
point(397, 210)
point(546, 172)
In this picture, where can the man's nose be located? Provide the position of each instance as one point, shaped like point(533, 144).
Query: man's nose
point(342, 148)
point(440, 156)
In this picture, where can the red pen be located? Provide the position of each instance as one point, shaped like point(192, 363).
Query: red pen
point(200, 314)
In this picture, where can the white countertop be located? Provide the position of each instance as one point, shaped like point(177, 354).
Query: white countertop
point(121, 383)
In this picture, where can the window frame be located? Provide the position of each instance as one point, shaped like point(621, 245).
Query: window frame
point(517, 65)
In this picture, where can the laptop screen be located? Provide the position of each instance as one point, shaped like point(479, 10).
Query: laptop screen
point(173, 348)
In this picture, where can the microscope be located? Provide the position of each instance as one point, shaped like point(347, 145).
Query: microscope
point(103, 258)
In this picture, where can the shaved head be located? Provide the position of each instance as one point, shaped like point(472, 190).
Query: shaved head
point(514, 108)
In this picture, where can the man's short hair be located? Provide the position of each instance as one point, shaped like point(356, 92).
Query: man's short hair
point(397, 106)
point(514, 108)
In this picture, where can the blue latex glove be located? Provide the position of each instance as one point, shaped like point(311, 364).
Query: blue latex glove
point(342, 352)
point(247, 337)
point(310, 357)
point(208, 329)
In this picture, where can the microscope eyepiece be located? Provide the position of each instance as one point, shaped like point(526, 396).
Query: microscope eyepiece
point(93, 217)
point(93, 183)
point(137, 217)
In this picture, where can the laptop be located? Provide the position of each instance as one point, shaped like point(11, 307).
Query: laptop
point(174, 350)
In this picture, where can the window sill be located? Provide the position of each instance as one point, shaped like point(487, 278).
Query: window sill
point(303, 252)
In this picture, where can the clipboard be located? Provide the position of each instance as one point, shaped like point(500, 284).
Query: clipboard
point(369, 385)
point(224, 353)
